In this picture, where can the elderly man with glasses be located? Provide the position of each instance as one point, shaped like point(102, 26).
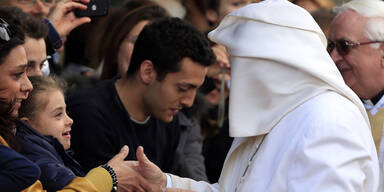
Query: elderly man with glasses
point(356, 44)
point(59, 17)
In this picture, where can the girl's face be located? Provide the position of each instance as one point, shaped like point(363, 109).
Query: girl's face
point(15, 85)
point(52, 118)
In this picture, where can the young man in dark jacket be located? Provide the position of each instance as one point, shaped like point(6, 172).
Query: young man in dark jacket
point(168, 64)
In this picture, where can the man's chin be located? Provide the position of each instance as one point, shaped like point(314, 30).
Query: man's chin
point(167, 119)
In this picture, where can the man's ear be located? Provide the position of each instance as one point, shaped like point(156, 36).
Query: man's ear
point(211, 15)
point(147, 72)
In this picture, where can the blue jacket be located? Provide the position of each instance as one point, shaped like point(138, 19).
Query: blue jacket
point(58, 168)
point(16, 171)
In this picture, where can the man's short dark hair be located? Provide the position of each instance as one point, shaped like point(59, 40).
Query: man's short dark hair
point(32, 26)
point(165, 42)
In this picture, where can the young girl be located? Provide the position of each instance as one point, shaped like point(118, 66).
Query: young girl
point(44, 133)
point(44, 136)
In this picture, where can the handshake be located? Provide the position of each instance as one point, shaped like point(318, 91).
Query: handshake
point(141, 175)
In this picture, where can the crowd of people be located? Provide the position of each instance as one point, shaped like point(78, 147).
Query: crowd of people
point(192, 95)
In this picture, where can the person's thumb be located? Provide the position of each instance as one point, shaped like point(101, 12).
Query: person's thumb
point(122, 154)
point(141, 157)
point(79, 21)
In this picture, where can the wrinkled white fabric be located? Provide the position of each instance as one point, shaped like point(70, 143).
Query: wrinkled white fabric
point(286, 89)
point(321, 146)
point(278, 62)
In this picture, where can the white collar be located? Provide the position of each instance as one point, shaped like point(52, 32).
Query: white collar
point(373, 109)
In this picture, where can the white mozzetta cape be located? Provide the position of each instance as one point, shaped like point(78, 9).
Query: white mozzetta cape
point(297, 126)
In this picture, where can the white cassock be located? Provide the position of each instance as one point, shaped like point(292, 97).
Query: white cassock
point(297, 125)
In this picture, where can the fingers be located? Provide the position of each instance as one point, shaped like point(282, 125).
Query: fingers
point(84, 1)
point(177, 190)
point(134, 188)
point(122, 154)
point(79, 21)
point(141, 157)
point(144, 184)
point(70, 6)
point(133, 165)
point(222, 56)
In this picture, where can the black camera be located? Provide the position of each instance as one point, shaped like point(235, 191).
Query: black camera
point(94, 8)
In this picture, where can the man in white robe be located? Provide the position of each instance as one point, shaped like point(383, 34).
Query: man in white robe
point(297, 125)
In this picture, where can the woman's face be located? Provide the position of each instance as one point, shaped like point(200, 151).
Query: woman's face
point(15, 85)
point(126, 48)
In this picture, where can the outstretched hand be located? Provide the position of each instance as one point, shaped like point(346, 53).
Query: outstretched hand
point(62, 17)
point(149, 170)
point(128, 179)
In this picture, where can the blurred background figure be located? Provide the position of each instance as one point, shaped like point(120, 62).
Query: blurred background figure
point(113, 49)
point(314, 5)
point(324, 17)
point(60, 19)
point(37, 8)
point(35, 33)
point(206, 14)
point(174, 7)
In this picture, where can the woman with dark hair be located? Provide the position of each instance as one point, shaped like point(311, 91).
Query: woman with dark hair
point(17, 172)
point(123, 28)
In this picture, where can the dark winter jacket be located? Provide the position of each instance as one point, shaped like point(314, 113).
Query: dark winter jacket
point(57, 167)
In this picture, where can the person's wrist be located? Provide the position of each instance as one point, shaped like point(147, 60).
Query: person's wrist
point(165, 178)
point(53, 36)
point(113, 176)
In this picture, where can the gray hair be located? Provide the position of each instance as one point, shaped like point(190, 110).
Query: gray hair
point(373, 10)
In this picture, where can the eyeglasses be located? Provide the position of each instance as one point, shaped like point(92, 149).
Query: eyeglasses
point(5, 31)
point(343, 46)
point(31, 2)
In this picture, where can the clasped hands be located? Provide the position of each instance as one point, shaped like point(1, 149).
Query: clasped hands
point(141, 175)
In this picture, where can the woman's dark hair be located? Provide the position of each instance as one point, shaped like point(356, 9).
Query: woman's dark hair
point(7, 124)
point(122, 29)
point(117, 27)
point(16, 37)
point(97, 49)
point(11, 36)
point(31, 26)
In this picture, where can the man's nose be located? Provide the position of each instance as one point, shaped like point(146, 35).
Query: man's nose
point(187, 101)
